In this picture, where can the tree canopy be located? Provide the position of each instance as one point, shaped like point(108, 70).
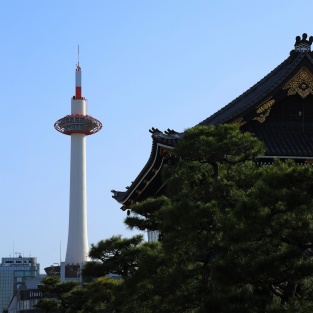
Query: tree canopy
point(235, 236)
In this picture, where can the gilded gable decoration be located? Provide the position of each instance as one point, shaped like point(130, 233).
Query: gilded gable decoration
point(265, 106)
point(301, 83)
point(263, 111)
point(239, 122)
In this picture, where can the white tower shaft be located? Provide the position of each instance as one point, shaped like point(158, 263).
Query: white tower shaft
point(77, 243)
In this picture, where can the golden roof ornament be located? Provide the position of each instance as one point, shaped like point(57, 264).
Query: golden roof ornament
point(301, 83)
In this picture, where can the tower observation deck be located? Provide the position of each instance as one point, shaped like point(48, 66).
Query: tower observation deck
point(78, 125)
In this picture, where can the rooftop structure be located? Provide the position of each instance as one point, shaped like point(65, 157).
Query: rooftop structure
point(26, 297)
point(278, 110)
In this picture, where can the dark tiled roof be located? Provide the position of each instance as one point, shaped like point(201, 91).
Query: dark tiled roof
point(167, 139)
point(260, 91)
point(287, 140)
point(280, 140)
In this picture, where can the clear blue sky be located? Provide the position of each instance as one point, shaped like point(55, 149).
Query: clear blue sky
point(146, 63)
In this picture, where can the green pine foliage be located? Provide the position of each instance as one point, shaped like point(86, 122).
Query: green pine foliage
point(116, 255)
point(234, 236)
point(60, 304)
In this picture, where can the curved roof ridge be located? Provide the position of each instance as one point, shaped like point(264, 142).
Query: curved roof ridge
point(309, 57)
point(168, 139)
point(120, 195)
point(257, 91)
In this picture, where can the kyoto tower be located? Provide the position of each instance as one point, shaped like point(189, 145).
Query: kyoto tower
point(78, 125)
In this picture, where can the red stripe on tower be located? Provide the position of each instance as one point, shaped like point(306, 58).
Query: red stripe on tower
point(78, 83)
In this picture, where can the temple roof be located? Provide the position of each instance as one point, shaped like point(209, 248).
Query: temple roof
point(149, 180)
point(283, 140)
point(278, 110)
point(264, 89)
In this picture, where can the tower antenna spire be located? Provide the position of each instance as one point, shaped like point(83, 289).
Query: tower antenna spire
point(78, 55)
